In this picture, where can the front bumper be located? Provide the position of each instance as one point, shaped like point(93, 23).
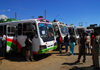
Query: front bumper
point(47, 50)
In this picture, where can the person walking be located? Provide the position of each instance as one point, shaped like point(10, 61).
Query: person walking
point(82, 48)
point(29, 53)
point(59, 41)
point(79, 45)
point(87, 44)
point(66, 41)
point(95, 53)
point(91, 42)
point(72, 44)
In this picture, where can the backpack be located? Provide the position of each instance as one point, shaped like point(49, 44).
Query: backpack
point(60, 40)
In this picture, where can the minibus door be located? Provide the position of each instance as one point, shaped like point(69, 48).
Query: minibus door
point(11, 39)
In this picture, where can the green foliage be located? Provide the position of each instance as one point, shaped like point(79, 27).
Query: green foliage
point(8, 20)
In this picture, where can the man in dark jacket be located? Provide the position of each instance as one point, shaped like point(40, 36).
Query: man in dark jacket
point(82, 48)
point(66, 41)
point(29, 53)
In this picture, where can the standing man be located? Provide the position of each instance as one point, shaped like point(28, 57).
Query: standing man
point(29, 53)
point(82, 48)
point(59, 40)
point(66, 41)
point(95, 54)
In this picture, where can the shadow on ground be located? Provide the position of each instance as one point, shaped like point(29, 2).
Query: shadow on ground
point(80, 68)
point(68, 54)
point(74, 63)
point(42, 56)
point(64, 54)
point(58, 49)
point(86, 54)
point(19, 58)
point(84, 68)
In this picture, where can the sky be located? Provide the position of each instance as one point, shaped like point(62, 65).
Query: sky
point(68, 11)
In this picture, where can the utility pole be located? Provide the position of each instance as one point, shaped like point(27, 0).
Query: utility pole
point(15, 15)
point(45, 14)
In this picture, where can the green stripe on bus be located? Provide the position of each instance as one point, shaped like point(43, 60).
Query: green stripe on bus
point(46, 50)
point(13, 46)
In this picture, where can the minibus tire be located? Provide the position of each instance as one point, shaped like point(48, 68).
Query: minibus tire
point(23, 51)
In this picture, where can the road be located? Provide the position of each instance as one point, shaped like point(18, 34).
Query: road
point(49, 61)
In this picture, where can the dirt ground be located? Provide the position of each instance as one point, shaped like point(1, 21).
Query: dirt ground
point(49, 61)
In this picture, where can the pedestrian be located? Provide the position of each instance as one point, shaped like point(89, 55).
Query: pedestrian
point(79, 42)
point(4, 39)
point(72, 44)
point(59, 41)
point(95, 53)
point(82, 48)
point(28, 43)
point(91, 42)
point(1, 45)
point(4, 44)
point(66, 41)
point(87, 44)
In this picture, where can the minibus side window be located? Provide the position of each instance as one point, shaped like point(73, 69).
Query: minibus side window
point(19, 29)
point(11, 31)
point(1, 29)
point(56, 30)
point(24, 29)
point(27, 28)
point(5, 29)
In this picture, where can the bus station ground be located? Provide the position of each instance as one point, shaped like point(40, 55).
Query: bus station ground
point(49, 61)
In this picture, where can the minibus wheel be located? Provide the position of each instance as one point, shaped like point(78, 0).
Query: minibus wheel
point(23, 51)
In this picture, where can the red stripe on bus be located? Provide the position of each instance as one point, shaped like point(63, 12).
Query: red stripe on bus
point(14, 41)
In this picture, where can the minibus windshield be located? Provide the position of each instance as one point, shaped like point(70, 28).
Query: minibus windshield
point(46, 31)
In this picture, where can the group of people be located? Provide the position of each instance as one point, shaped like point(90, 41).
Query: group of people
point(67, 41)
point(91, 42)
point(28, 47)
point(85, 42)
point(70, 42)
